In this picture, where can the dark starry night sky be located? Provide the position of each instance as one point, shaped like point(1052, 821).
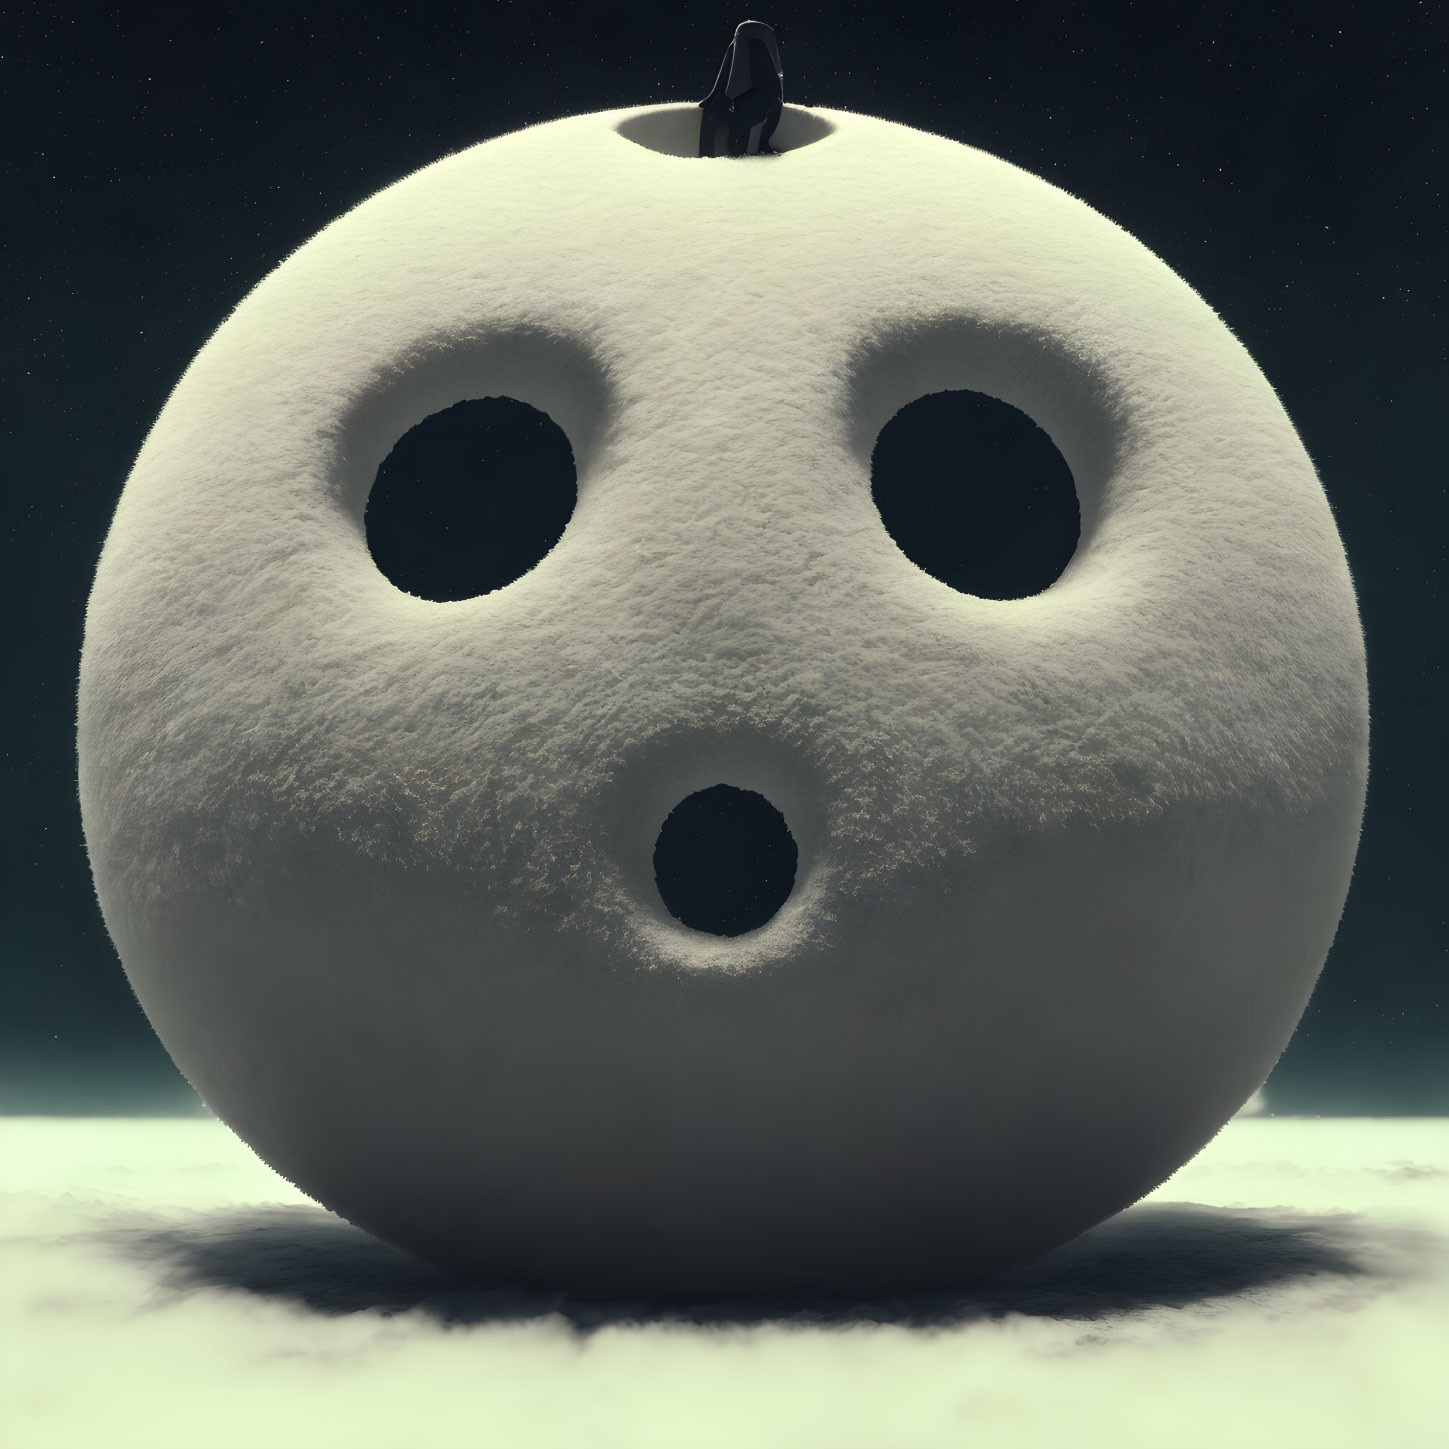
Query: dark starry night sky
point(1288, 161)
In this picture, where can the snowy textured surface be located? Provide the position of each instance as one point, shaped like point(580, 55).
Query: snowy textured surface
point(379, 868)
point(163, 1290)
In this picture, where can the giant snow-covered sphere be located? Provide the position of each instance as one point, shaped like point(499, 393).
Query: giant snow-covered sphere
point(381, 869)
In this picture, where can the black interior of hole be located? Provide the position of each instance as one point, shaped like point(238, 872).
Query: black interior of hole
point(725, 861)
point(471, 499)
point(976, 494)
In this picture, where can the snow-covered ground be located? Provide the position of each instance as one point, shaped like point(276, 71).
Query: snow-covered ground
point(162, 1289)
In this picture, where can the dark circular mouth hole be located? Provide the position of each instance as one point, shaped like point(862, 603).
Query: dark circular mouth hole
point(725, 861)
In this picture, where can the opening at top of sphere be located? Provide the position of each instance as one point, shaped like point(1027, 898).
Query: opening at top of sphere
point(674, 130)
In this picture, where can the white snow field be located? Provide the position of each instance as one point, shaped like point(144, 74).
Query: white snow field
point(380, 869)
point(162, 1289)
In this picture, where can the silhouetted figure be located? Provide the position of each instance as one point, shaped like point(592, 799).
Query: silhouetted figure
point(750, 90)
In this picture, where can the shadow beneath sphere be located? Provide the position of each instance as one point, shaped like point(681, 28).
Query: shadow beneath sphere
point(1153, 1256)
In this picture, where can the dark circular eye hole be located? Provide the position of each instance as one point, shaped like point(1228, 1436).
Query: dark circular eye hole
point(471, 499)
point(976, 494)
point(725, 861)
